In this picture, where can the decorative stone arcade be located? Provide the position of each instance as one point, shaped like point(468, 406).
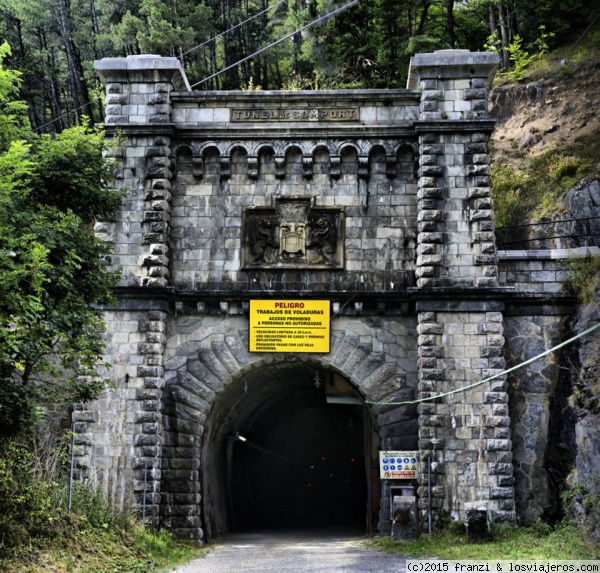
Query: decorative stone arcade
point(377, 201)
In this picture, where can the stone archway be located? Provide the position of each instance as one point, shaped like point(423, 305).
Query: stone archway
point(287, 444)
point(219, 389)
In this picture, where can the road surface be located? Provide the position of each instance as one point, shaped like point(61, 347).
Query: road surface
point(323, 551)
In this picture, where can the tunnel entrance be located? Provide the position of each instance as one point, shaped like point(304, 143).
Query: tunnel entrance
point(291, 446)
point(307, 469)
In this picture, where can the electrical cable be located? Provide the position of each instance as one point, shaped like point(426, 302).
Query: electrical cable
point(66, 114)
point(547, 239)
point(545, 223)
point(474, 385)
point(312, 23)
point(232, 28)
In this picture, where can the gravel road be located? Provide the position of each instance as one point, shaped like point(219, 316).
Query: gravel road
point(294, 552)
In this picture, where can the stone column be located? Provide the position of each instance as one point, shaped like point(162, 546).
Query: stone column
point(138, 105)
point(456, 243)
point(461, 341)
point(137, 98)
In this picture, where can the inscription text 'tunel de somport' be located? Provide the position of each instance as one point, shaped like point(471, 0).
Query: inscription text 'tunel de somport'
point(295, 114)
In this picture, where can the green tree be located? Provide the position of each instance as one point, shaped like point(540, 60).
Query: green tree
point(53, 271)
point(366, 46)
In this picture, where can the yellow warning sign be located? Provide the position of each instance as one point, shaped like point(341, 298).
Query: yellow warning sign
point(289, 325)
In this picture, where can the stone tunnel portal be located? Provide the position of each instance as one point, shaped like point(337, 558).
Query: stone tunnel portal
point(289, 445)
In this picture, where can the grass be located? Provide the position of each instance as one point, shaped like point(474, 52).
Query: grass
point(564, 541)
point(536, 191)
point(39, 534)
point(83, 549)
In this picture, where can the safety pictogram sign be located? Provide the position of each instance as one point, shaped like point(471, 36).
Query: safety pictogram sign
point(398, 465)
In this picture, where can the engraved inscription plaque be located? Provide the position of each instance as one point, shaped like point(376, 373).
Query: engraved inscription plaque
point(294, 114)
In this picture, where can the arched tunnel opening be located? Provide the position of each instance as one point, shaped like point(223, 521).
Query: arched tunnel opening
point(289, 445)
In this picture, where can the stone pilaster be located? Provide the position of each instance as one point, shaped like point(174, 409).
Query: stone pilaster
point(456, 243)
point(467, 434)
point(148, 429)
point(156, 235)
point(138, 90)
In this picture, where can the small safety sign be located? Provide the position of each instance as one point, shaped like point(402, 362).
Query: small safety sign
point(398, 465)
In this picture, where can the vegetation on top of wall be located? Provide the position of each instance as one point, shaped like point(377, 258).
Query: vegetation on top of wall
point(582, 278)
point(534, 192)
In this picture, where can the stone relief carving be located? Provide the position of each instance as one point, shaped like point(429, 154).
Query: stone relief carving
point(293, 234)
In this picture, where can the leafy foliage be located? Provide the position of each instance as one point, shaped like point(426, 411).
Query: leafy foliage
point(36, 527)
point(367, 45)
point(26, 509)
point(13, 116)
point(521, 58)
point(53, 272)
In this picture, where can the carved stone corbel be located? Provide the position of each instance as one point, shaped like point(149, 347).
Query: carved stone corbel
point(335, 166)
point(363, 166)
point(198, 166)
point(252, 166)
point(225, 168)
point(279, 166)
point(307, 166)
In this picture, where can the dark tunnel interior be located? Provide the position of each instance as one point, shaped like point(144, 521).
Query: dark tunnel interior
point(294, 458)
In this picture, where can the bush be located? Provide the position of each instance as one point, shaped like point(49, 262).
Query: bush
point(26, 510)
point(536, 192)
point(509, 189)
point(582, 278)
point(36, 527)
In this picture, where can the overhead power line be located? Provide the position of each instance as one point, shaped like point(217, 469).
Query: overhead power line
point(542, 239)
point(547, 223)
point(500, 374)
point(233, 28)
point(312, 23)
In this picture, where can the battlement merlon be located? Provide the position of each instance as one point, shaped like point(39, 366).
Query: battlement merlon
point(138, 87)
point(452, 64)
point(454, 84)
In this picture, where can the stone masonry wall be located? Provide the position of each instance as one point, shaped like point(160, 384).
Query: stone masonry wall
point(206, 354)
point(427, 304)
point(138, 93)
point(108, 432)
point(379, 214)
point(466, 434)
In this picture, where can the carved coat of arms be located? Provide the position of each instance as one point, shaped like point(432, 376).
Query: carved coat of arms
point(293, 234)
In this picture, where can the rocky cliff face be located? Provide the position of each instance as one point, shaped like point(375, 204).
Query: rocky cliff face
point(585, 476)
point(546, 113)
point(579, 225)
point(556, 412)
